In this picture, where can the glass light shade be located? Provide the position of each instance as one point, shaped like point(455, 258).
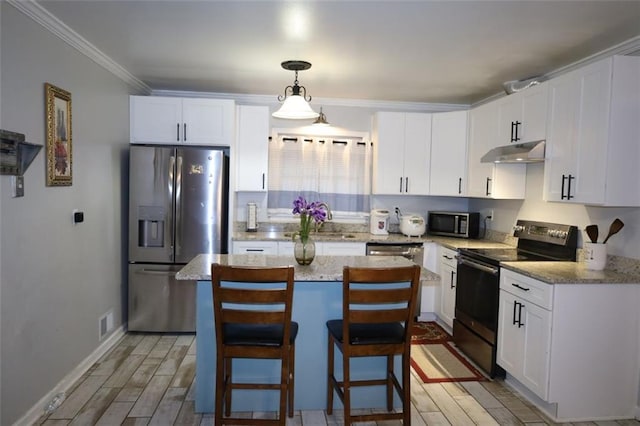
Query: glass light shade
point(296, 108)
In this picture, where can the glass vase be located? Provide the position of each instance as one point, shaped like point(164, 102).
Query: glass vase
point(304, 252)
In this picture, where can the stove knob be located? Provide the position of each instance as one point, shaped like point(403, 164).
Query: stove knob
point(564, 234)
point(518, 228)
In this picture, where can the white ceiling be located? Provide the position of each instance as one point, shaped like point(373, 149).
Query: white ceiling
point(414, 51)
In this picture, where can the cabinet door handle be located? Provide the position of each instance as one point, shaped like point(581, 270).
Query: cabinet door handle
point(252, 250)
point(515, 308)
point(520, 323)
point(516, 138)
point(406, 184)
point(459, 185)
point(401, 184)
point(512, 125)
point(184, 132)
point(562, 196)
point(177, 132)
point(488, 182)
point(569, 196)
point(452, 275)
point(263, 177)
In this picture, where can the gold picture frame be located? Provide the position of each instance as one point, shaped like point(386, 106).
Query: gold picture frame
point(59, 146)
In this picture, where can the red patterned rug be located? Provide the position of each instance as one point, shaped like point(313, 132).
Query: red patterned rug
point(428, 332)
point(435, 359)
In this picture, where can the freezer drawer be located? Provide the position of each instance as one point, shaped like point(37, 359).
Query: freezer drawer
point(157, 302)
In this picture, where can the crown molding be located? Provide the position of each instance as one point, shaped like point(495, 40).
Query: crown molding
point(360, 103)
point(629, 47)
point(43, 17)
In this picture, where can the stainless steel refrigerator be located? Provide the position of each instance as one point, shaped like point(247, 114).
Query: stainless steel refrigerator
point(178, 208)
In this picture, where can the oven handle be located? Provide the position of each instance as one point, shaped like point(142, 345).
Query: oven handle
point(491, 270)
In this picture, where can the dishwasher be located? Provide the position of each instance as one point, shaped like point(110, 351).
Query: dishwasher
point(412, 251)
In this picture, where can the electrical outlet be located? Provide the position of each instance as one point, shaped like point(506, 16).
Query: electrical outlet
point(491, 215)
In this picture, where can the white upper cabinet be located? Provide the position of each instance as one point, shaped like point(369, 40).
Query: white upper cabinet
point(401, 146)
point(491, 180)
point(252, 148)
point(449, 153)
point(169, 120)
point(522, 116)
point(592, 151)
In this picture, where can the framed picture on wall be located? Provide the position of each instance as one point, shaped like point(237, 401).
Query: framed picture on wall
point(59, 146)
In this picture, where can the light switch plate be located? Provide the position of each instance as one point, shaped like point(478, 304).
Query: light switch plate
point(17, 186)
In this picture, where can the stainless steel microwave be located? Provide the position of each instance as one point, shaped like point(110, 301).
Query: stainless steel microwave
point(454, 224)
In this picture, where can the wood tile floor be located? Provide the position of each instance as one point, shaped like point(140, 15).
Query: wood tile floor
point(148, 379)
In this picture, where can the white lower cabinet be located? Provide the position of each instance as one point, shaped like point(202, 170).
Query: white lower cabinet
point(341, 249)
point(285, 248)
point(526, 328)
point(572, 348)
point(448, 275)
point(255, 247)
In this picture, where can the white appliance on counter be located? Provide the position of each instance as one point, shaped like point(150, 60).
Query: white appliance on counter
point(412, 225)
point(379, 222)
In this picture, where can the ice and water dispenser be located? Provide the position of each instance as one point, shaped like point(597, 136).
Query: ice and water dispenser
point(151, 226)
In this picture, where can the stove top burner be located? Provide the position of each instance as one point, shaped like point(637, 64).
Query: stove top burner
point(537, 241)
point(505, 255)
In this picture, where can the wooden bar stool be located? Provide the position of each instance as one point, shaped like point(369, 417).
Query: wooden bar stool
point(377, 310)
point(253, 322)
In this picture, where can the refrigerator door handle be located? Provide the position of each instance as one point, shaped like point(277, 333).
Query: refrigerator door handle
point(177, 234)
point(170, 183)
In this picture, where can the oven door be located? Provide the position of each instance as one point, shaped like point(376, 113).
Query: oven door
point(477, 294)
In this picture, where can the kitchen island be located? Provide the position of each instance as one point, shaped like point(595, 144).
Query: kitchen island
point(317, 297)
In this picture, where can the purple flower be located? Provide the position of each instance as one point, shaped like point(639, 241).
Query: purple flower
point(308, 211)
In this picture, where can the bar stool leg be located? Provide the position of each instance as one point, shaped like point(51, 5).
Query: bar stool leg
point(406, 388)
point(292, 368)
point(227, 386)
point(389, 382)
point(346, 387)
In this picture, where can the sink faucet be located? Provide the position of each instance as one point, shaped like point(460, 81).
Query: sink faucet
point(326, 207)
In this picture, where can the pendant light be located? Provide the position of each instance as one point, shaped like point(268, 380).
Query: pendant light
point(321, 120)
point(296, 102)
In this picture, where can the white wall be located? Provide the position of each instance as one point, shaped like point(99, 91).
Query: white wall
point(57, 279)
point(626, 243)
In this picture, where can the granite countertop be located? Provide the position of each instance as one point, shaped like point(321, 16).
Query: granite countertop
point(569, 273)
point(366, 237)
point(323, 268)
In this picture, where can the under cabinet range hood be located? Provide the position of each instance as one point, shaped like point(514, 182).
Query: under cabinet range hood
point(528, 152)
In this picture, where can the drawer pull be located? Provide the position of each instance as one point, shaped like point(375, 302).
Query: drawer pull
point(520, 287)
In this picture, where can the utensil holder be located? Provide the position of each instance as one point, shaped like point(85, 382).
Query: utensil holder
point(595, 256)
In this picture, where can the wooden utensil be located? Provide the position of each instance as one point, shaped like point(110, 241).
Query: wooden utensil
point(592, 232)
point(615, 227)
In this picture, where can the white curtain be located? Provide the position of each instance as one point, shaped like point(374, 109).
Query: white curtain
point(333, 170)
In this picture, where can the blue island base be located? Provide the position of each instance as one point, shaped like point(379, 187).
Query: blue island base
point(314, 303)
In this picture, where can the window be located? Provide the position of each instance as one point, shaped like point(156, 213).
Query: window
point(335, 170)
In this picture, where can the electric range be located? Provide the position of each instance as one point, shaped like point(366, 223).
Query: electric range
point(475, 327)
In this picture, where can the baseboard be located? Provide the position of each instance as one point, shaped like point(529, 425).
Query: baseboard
point(37, 410)
point(427, 316)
